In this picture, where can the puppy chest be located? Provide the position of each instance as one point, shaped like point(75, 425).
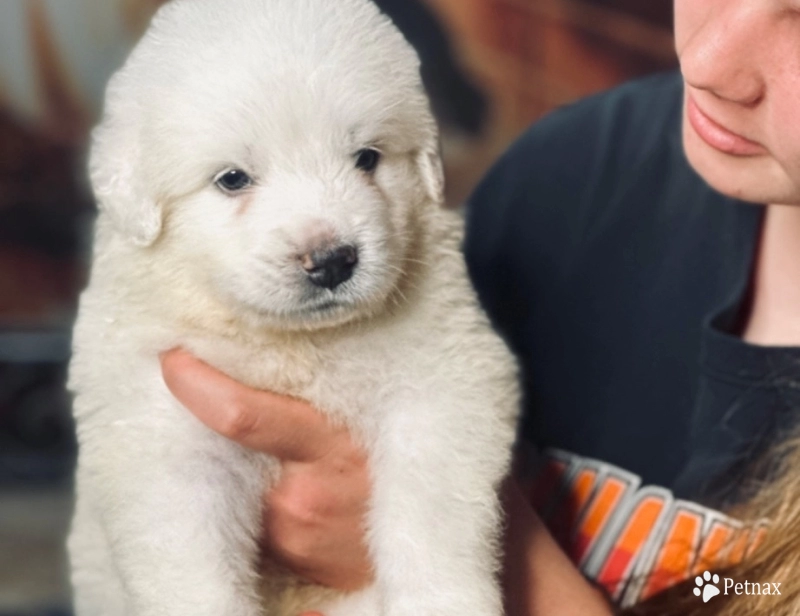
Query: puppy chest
point(336, 380)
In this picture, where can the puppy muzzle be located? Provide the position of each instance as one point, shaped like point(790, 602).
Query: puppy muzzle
point(331, 267)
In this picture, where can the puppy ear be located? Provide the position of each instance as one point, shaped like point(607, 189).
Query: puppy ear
point(429, 163)
point(114, 168)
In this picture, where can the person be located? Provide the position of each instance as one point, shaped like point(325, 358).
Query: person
point(640, 251)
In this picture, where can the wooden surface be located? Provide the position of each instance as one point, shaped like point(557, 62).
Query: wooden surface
point(42, 204)
point(534, 55)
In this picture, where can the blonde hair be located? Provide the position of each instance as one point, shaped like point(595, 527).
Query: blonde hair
point(777, 559)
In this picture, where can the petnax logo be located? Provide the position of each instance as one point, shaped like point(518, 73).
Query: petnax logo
point(708, 587)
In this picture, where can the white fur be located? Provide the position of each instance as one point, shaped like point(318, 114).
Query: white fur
point(167, 511)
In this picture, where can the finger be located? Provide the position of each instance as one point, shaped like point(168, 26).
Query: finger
point(281, 426)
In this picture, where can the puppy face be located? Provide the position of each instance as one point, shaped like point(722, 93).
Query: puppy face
point(280, 151)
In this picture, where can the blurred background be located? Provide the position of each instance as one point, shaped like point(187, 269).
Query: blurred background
point(491, 66)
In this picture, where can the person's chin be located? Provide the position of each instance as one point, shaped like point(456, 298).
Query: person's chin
point(755, 179)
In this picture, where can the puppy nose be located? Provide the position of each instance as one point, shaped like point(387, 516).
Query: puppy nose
point(330, 268)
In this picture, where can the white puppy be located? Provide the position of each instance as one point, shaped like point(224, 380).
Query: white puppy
point(269, 190)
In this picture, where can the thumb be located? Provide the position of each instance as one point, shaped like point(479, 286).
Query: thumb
point(284, 427)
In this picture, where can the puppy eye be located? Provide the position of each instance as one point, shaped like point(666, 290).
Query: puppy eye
point(367, 159)
point(233, 180)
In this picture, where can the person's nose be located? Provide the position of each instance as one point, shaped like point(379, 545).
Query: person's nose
point(722, 56)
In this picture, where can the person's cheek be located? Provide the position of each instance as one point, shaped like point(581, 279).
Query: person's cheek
point(782, 102)
point(683, 21)
point(690, 17)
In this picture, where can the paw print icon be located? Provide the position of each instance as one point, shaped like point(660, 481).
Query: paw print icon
point(706, 586)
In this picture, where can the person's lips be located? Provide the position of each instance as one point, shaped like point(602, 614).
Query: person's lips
point(719, 137)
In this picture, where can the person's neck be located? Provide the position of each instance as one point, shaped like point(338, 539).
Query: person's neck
point(774, 317)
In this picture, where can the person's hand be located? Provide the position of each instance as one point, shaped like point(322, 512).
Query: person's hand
point(538, 577)
point(313, 518)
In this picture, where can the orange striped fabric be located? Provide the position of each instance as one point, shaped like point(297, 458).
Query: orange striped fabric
point(633, 540)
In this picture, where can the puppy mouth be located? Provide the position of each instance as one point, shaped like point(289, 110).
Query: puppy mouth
point(337, 305)
point(324, 302)
point(324, 306)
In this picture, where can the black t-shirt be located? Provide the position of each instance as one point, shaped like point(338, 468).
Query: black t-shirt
point(619, 278)
point(617, 275)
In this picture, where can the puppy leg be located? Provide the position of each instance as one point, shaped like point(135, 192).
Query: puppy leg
point(435, 516)
point(97, 590)
point(181, 524)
